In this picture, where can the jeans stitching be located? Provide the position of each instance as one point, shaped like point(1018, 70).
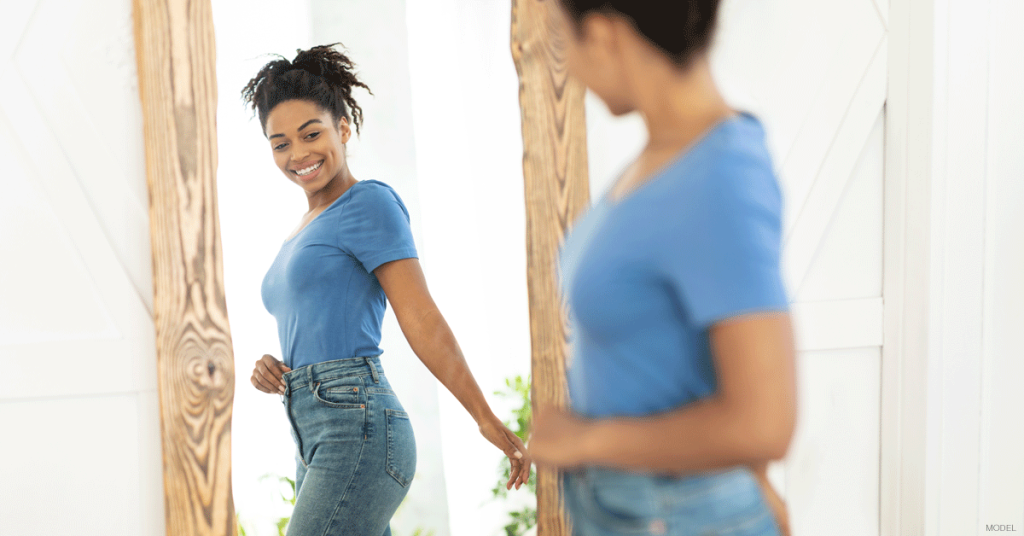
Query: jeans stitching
point(388, 465)
point(338, 405)
point(344, 496)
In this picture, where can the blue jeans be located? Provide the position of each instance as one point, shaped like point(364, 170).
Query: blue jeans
point(355, 451)
point(605, 502)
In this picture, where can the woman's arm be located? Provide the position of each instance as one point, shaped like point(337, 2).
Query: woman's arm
point(435, 345)
point(749, 421)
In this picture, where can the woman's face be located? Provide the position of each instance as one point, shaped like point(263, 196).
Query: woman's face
point(308, 145)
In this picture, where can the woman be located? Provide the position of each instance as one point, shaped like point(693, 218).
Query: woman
point(682, 373)
point(355, 454)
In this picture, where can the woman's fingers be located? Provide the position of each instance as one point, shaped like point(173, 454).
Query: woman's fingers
point(262, 382)
point(520, 460)
point(525, 463)
point(778, 506)
point(500, 436)
point(256, 383)
point(514, 474)
point(267, 376)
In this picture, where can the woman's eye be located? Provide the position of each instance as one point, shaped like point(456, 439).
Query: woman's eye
point(281, 146)
point(312, 135)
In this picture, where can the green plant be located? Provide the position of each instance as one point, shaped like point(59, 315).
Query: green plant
point(518, 390)
point(418, 531)
point(288, 498)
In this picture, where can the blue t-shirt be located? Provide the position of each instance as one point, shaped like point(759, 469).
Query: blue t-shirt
point(321, 287)
point(646, 276)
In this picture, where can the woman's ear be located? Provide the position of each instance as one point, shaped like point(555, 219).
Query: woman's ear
point(598, 32)
point(344, 130)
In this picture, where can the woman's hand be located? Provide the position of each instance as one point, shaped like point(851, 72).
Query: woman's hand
point(557, 439)
point(503, 438)
point(267, 375)
point(773, 499)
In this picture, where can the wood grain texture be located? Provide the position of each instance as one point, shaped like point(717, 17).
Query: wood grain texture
point(557, 191)
point(174, 44)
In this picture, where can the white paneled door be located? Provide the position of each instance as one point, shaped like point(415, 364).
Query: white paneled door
point(817, 78)
point(80, 447)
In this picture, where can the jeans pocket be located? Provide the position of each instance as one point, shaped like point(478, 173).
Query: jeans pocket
point(731, 504)
point(401, 448)
point(614, 501)
point(342, 393)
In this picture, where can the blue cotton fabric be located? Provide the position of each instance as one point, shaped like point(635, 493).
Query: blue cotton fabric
point(646, 276)
point(321, 287)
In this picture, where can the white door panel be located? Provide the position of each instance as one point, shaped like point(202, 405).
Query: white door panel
point(81, 80)
point(94, 442)
point(831, 475)
point(849, 258)
point(837, 324)
point(81, 449)
point(108, 307)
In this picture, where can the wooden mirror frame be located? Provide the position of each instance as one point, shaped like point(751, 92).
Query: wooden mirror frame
point(176, 60)
point(557, 188)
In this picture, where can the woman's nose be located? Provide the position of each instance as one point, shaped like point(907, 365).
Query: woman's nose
point(299, 155)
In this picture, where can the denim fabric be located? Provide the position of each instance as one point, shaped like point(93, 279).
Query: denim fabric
point(605, 502)
point(355, 451)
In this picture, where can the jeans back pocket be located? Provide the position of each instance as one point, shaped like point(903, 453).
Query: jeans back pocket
point(401, 448)
point(614, 501)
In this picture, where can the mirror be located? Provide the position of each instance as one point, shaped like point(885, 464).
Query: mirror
point(442, 128)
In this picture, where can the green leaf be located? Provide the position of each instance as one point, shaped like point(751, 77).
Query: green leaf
point(517, 389)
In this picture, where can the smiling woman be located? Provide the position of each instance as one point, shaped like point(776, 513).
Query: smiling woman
point(305, 141)
point(352, 251)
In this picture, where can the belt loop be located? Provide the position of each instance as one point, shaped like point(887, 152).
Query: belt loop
point(309, 378)
point(373, 370)
point(287, 386)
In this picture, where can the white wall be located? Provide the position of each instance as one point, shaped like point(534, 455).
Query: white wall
point(958, 449)
point(1000, 494)
point(80, 446)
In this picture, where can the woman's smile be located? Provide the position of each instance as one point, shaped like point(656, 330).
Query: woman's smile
point(306, 173)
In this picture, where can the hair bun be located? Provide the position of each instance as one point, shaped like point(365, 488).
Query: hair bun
point(330, 86)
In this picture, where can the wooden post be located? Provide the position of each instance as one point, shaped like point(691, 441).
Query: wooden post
point(557, 191)
point(177, 83)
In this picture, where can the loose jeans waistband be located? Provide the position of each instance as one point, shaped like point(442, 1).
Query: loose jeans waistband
point(329, 370)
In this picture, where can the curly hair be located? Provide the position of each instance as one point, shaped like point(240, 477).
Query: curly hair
point(680, 28)
point(321, 75)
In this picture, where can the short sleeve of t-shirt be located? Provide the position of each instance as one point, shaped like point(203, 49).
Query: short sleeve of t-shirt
point(376, 227)
point(731, 263)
